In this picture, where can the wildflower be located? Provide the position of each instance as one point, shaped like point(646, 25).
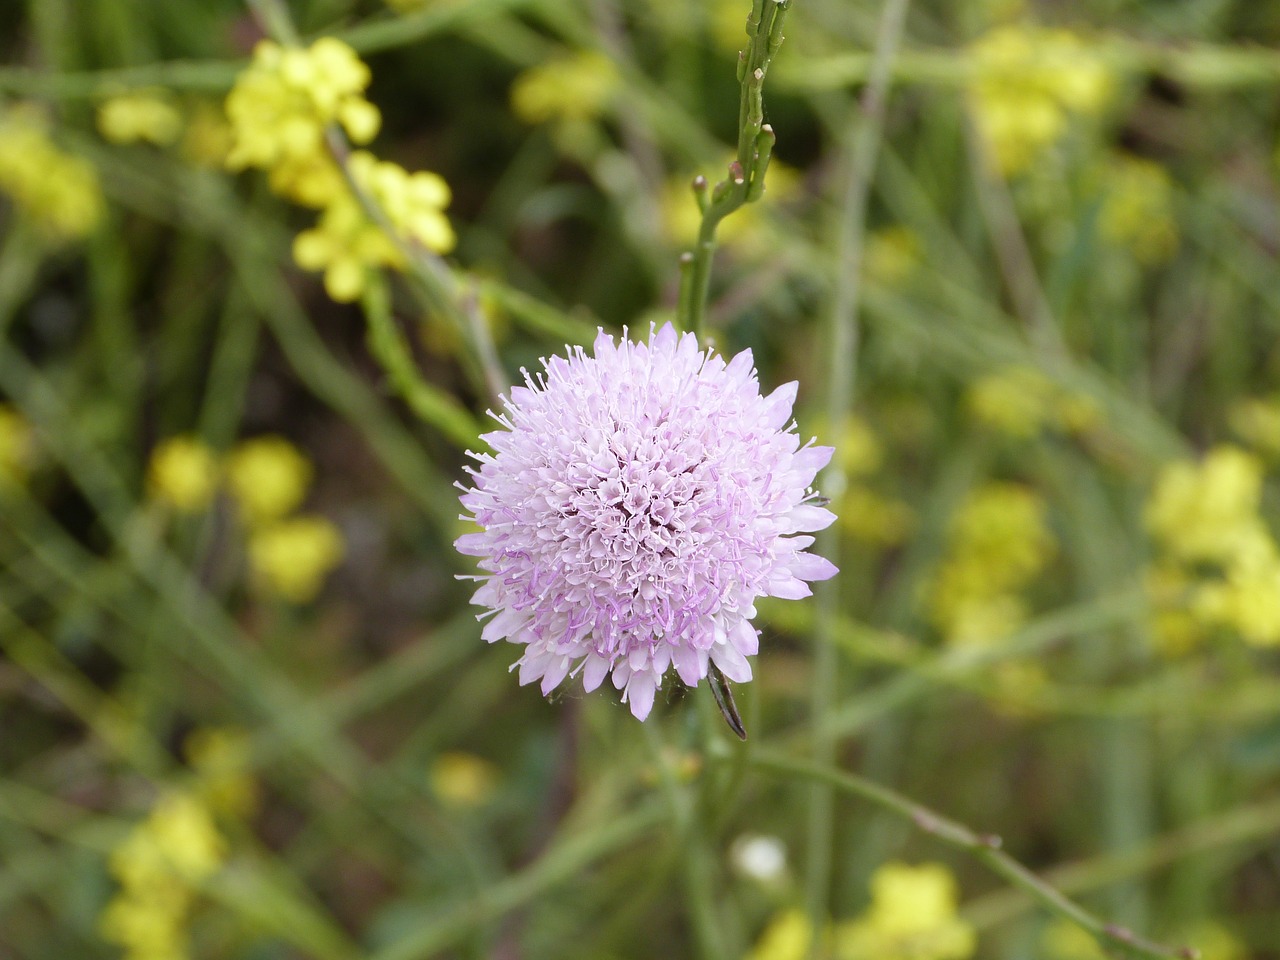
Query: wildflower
point(1208, 512)
point(463, 779)
point(280, 106)
point(636, 506)
point(1137, 208)
point(183, 473)
point(58, 191)
point(1026, 84)
point(787, 937)
point(346, 243)
point(140, 117)
point(574, 88)
point(17, 446)
point(268, 477)
point(291, 558)
point(912, 917)
point(157, 866)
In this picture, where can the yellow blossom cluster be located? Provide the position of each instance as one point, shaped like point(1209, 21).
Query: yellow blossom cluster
point(346, 242)
point(143, 116)
point(183, 474)
point(17, 447)
point(1217, 566)
point(282, 104)
point(912, 916)
point(267, 478)
point(1026, 83)
point(997, 543)
point(1021, 402)
point(289, 555)
point(159, 866)
point(280, 110)
point(59, 192)
point(1137, 208)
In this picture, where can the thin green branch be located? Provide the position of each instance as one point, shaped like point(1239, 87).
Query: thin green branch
point(745, 180)
point(983, 847)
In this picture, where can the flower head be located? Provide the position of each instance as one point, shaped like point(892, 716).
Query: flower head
point(633, 510)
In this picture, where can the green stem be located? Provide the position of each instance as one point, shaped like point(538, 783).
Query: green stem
point(745, 182)
point(860, 153)
point(983, 847)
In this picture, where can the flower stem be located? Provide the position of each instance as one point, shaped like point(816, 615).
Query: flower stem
point(983, 847)
point(745, 180)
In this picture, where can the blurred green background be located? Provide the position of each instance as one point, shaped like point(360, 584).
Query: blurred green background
point(245, 710)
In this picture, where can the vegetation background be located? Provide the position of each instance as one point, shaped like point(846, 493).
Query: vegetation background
point(245, 710)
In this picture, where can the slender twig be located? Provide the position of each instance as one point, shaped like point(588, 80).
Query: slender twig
point(983, 847)
point(745, 180)
point(860, 156)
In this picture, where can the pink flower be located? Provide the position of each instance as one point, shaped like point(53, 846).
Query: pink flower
point(636, 505)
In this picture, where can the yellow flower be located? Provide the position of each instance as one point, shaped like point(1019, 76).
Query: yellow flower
point(185, 834)
point(1026, 82)
point(17, 447)
point(58, 191)
point(787, 937)
point(183, 473)
point(292, 558)
point(413, 202)
point(1247, 600)
point(140, 117)
point(1137, 208)
point(157, 865)
point(912, 916)
point(576, 87)
point(1208, 511)
point(268, 477)
point(463, 779)
point(280, 106)
point(346, 244)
